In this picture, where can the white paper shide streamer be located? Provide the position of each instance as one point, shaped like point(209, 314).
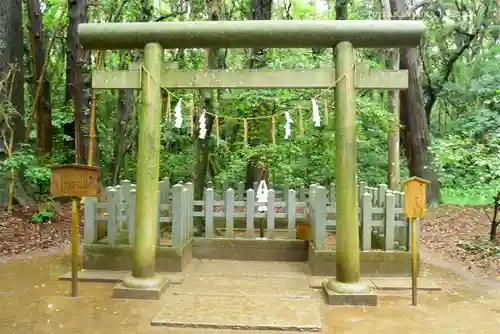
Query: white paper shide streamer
point(316, 117)
point(262, 196)
point(203, 126)
point(178, 114)
point(288, 125)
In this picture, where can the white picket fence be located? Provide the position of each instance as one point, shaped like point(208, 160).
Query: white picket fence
point(380, 213)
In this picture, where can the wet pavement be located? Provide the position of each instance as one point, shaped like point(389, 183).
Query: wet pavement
point(33, 300)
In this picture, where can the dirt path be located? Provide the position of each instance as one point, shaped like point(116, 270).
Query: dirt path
point(32, 297)
point(460, 235)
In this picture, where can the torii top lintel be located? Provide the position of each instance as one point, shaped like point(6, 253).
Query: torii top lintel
point(252, 34)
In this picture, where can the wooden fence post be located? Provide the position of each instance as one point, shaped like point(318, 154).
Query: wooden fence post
point(118, 211)
point(123, 200)
point(319, 228)
point(185, 211)
point(209, 213)
point(89, 221)
point(402, 232)
point(361, 190)
point(250, 212)
point(177, 216)
point(190, 203)
point(241, 191)
point(271, 212)
point(302, 194)
point(389, 226)
point(158, 218)
point(229, 212)
point(382, 190)
point(312, 209)
point(125, 188)
point(291, 205)
point(286, 188)
point(131, 215)
point(366, 221)
point(111, 215)
point(164, 188)
point(332, 196)
point(225, 187)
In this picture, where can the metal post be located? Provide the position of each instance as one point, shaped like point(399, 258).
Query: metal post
point(75, 261)
point(414, 262)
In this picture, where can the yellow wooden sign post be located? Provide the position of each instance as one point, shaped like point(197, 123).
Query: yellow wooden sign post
point(74, 181)
point(415, 206)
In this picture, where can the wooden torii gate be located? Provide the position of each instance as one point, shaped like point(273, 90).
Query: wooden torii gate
point(344, 36)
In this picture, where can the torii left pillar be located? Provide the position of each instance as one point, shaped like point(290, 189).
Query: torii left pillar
point(145, 283)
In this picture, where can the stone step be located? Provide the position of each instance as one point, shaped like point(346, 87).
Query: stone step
point(112, 276)
point(386, 283)
point(232, 285)
point(404, 283)
point(244, 313)
point(250, 268)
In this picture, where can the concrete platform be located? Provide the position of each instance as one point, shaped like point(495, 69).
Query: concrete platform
point(386, 283)
point(291, 287)
point(247, 313)
point(113, 276)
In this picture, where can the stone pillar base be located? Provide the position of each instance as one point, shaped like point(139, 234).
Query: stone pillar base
point(355, 294)
point(141, 288)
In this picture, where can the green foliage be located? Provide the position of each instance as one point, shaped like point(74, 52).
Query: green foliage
point(468, 157)
point(25, 162)
point(465, 120)
point(488, 249)
point(469, 196)
point(43, 216)
point(464, 162)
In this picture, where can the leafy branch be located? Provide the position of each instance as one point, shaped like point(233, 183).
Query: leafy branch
point(6, 113)
point(494, 221)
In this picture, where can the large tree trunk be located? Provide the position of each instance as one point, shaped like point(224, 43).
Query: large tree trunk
point(415, 131)
point(215, 61)
point(11, 66)
point(43, 108)
point(125, 108)
point(392, 63)
point(126, 103)
point(261, 10)
point(78, 70)
point(341, 9)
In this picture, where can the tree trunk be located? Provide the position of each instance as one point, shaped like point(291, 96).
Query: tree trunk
point(11, 66)
point(415, 132)
point(392, 63)
point(125, 108)
point(126, 105)
point(341, 9)
point(43, 107)
point(261, 10)
point(78, 70)
point(215, 61)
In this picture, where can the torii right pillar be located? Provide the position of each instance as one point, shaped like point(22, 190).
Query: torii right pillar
point(347, 288)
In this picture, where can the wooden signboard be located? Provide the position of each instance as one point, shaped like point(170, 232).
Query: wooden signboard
point(74, 181)
point(415, 190)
